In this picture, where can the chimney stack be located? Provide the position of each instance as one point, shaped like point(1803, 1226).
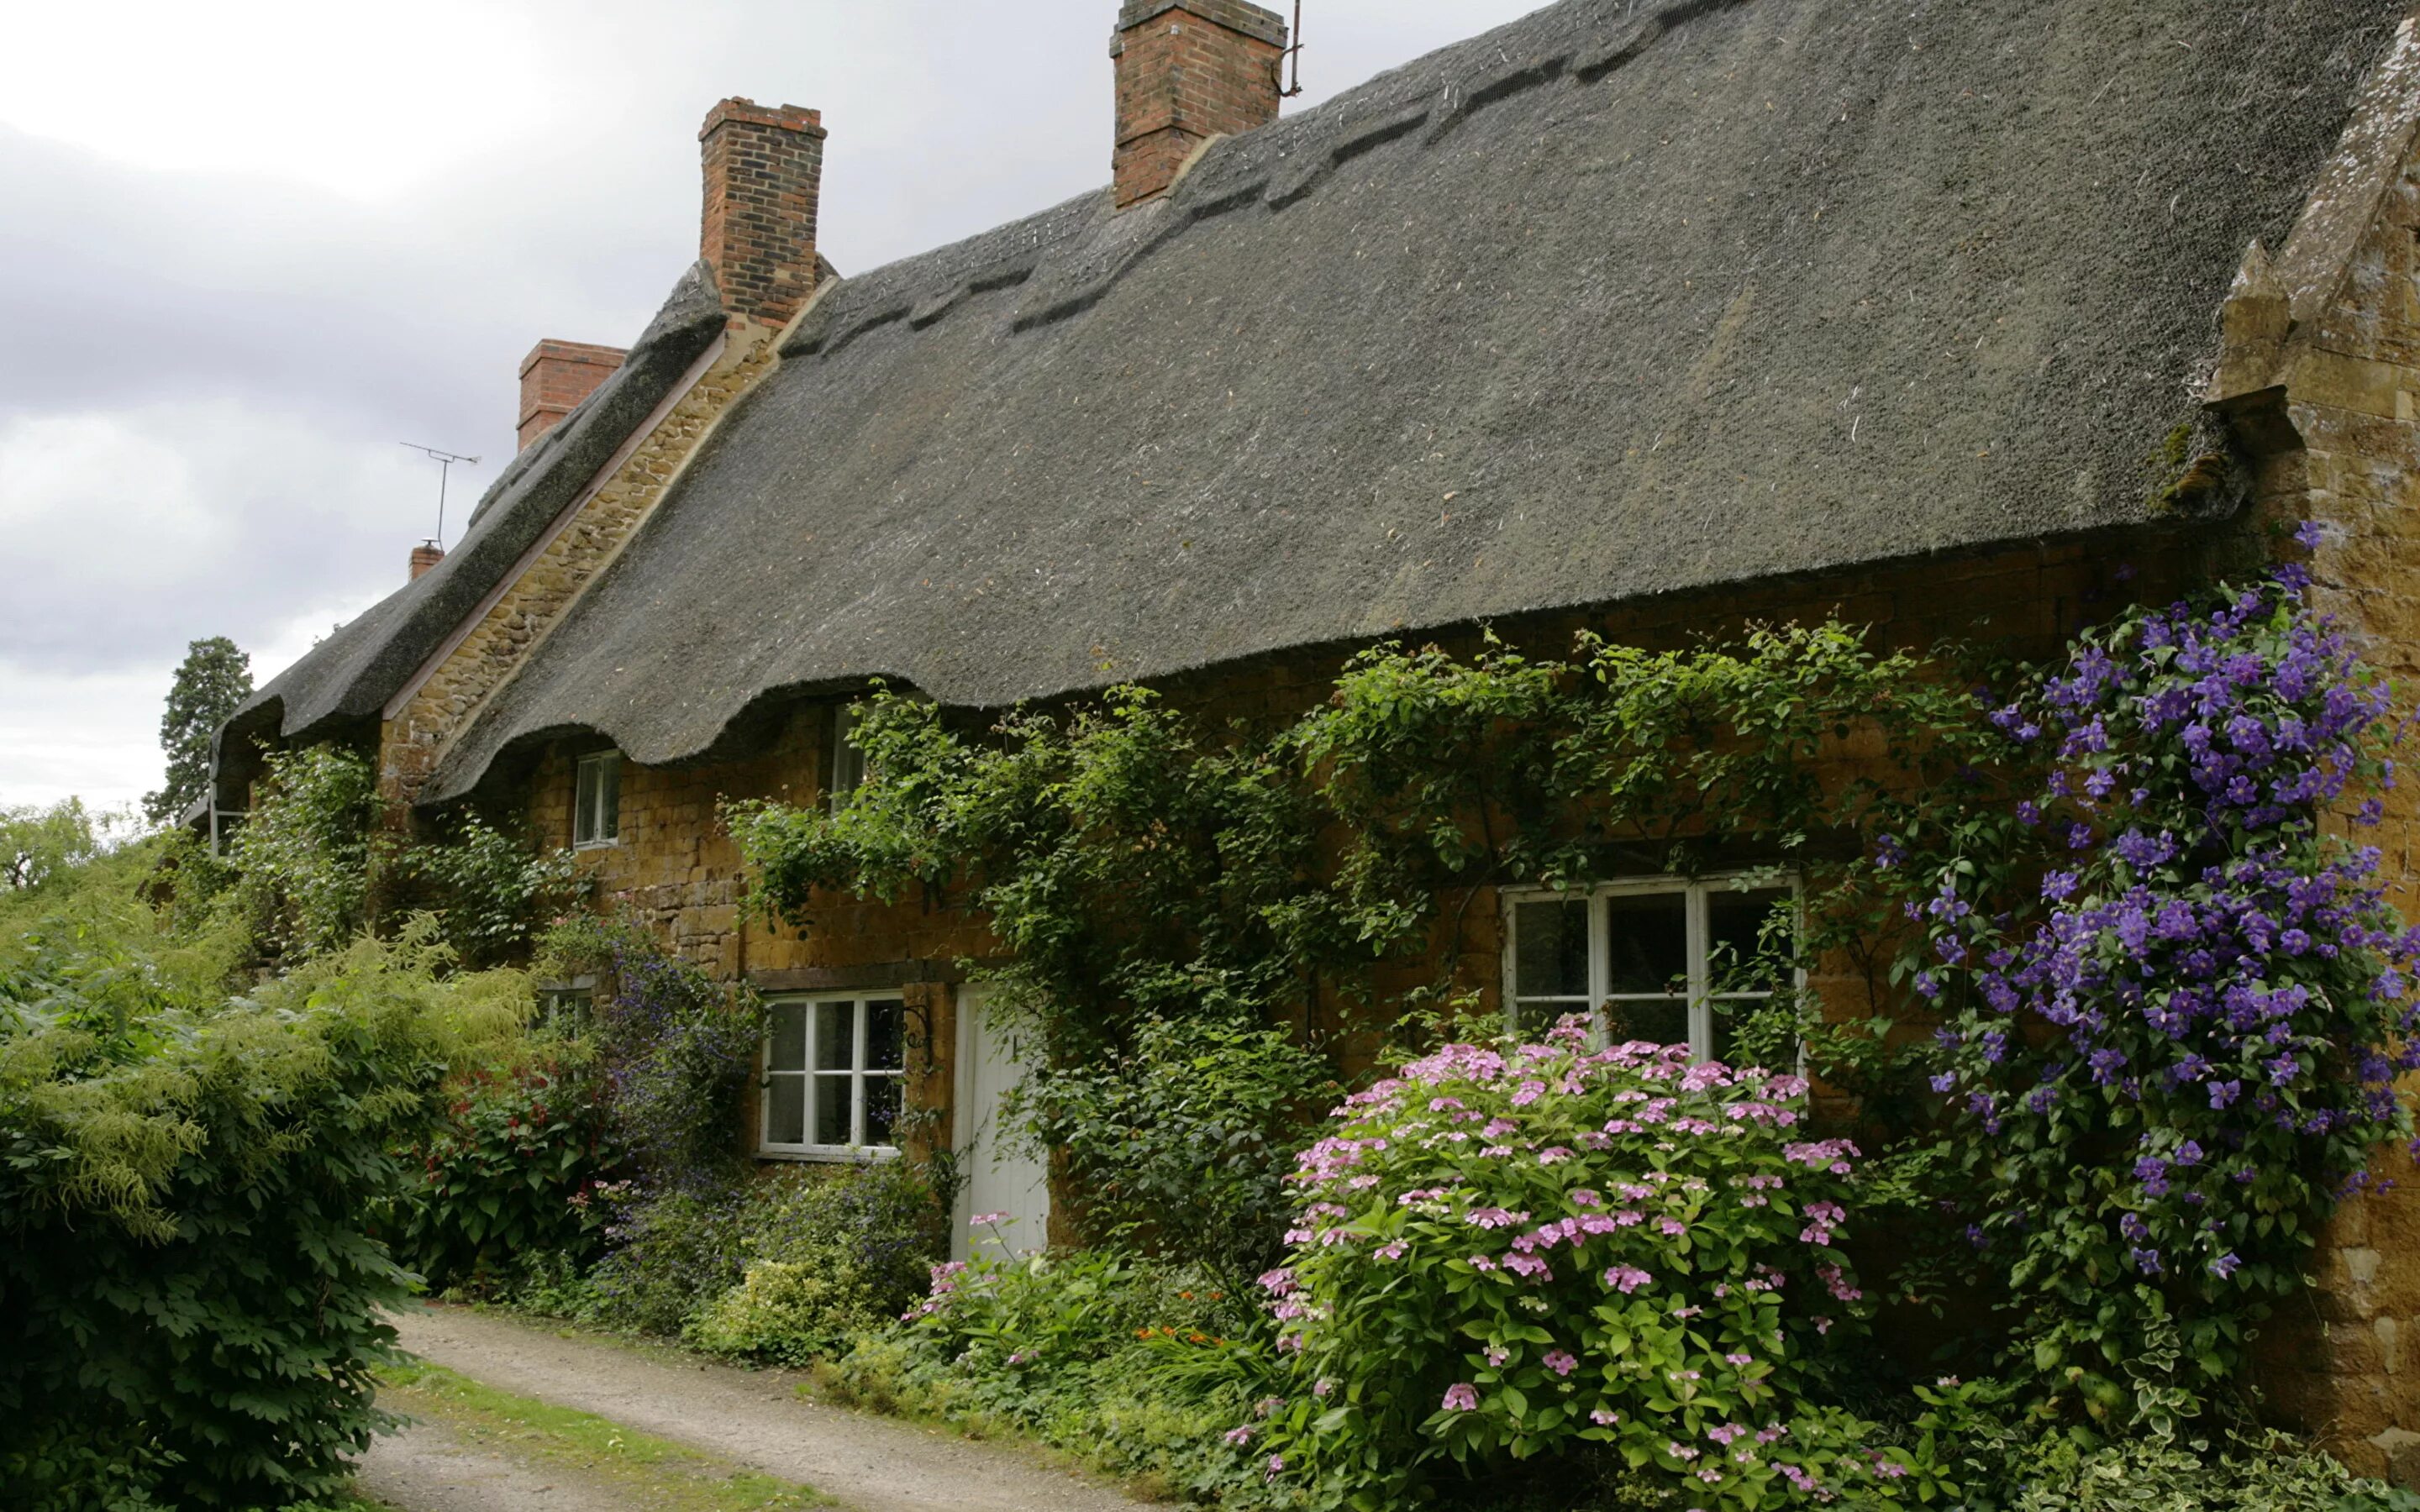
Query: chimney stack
point(425, 556)
point(764, 173)
point(1188, 70)
point(555, 377)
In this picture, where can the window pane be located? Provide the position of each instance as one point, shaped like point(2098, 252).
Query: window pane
point(882, 1043)
point(786, 1111)
point(835, 1035)
point(789, 1050)
point(847, 760)
point(1551, 949)
point(881, 1109)
point(1659, 1020)
point(832, 1109)
point(1647, 936)
point(584, 805)
point(1735, 922)
point(609, 797)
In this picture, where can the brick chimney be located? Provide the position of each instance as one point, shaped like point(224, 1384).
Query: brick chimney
point(555, 377)
point(425, 556)
point(764, 173)
point(1188, 70)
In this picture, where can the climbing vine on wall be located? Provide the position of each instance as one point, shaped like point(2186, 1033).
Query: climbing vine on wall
point(2176, 1000)
point(2170, 995)
point(313, 867)
point(1172, 889)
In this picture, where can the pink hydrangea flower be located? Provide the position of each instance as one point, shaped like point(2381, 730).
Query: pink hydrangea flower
point(1462, 1397)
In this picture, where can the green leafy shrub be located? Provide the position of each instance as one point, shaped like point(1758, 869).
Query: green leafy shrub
point(1510, 1251)
point(884, 1215)
point(1135, 1365)
point(509, 1174)
point(1181, 1142)
point(827, 1254)
point(311, 866)
point(2274, 1474)
point(788, 1312)
point(187, 1288)
point(668, 1251)
point(678, 1050)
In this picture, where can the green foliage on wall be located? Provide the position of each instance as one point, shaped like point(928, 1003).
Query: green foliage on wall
point(1169, 887)
point(313, 865)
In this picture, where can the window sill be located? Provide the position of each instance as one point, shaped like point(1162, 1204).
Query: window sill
point(584, 846)
point(830, 1154)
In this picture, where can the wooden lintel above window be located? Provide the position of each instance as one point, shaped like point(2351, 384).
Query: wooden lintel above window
point(855, 978)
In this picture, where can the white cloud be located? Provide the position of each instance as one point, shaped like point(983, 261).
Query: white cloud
point(357, 100)
point(94, 736)
point(131, 534)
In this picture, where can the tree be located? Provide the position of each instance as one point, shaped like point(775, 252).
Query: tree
point(215, 679)
point(38, 843)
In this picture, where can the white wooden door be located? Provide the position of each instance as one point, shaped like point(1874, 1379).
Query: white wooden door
point(1012, 1183)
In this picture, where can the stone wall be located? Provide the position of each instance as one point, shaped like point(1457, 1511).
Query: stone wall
point(675, 868)
point(2346, 1360)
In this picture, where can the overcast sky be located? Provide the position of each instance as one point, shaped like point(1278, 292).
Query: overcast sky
point(248, 246)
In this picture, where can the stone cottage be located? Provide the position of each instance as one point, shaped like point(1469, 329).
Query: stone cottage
point(1645, 317)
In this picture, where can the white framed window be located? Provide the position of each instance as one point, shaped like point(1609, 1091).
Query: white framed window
point(1673, 960)
point(833, 1073)
point(597, 801)
point(846, 759)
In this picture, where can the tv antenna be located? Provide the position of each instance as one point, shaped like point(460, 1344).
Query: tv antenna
point(444, 461)
point(1294, 53)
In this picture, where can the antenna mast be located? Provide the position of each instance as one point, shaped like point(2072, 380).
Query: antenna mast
point(446, 461)
point(1294, 53)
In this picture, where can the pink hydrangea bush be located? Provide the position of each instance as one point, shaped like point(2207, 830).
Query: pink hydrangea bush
point(1507, 1251)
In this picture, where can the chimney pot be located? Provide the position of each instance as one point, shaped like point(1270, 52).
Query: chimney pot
point(764, 173)
point(555, 377)
point(1211, 68)
point(425, 556)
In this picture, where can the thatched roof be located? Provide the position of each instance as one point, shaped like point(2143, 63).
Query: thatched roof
point(1624, 298)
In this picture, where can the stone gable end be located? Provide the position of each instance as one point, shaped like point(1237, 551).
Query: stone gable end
point(438, 704)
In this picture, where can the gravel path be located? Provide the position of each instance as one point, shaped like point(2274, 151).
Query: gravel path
point(751, 1418)
point(429, 1467)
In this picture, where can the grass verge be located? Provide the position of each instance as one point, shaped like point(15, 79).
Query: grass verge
point(655, 1473)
